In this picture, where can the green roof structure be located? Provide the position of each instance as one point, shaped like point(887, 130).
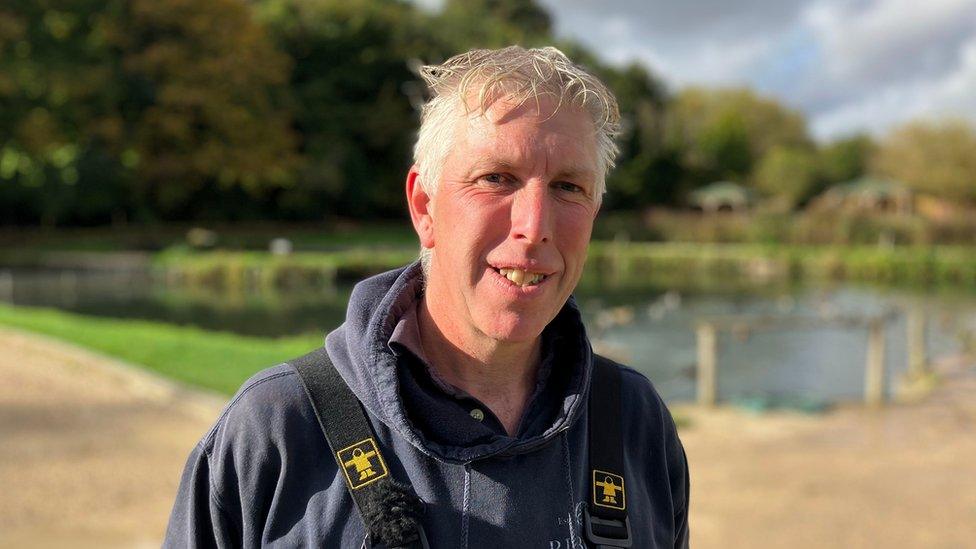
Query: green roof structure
point(868, 194)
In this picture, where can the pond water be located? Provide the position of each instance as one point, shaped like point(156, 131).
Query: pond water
point(651, 329)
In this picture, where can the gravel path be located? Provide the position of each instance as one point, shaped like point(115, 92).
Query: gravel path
point(901, 477)
point(92, 451)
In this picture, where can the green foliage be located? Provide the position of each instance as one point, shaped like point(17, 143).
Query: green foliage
point(228, 110)
point(213, 360)
point(790, 174)
point(724, 132)
point(846, 159)
point(724, 144)
point(235, 237)
point(647, 171)
point(467, 24)
point(356, 54)
point(111, 108)
point(56, 116)
point(206, 71)
point(696, 265)
point(259, 270)
point(353, 92)
point(932, 157)
point(766, 226)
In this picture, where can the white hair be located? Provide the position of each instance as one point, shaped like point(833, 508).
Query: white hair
point(513, 73)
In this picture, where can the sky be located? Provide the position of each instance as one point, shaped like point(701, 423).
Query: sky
point(848, 65)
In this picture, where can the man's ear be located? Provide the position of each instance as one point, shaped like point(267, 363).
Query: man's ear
point(421, 207)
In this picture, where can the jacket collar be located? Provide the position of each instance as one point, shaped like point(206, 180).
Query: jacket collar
point(361, 351)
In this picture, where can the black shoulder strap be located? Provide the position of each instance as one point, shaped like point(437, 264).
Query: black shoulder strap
point(388, 509)
point(606, 519)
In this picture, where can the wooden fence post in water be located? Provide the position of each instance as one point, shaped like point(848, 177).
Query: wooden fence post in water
point(874, 371)
point(917, 352)
point(707, 360)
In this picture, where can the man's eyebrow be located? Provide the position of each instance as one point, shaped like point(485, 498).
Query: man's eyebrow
point(575, 172)
point(482, 162)
point(498, 164)
point(486, 162)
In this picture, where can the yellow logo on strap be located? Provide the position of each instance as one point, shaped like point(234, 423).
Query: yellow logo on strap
point(362, 463)
point(608, 490)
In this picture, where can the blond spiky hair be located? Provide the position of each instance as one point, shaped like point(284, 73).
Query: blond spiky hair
point(514, 73)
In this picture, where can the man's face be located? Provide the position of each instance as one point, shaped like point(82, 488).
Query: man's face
point(511, 220)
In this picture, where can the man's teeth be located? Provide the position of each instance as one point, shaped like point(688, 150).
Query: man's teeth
point(522, 278)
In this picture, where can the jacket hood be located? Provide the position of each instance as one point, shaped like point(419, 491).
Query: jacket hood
point(360, 350)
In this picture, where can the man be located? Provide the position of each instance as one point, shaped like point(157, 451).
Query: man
point(472, 366)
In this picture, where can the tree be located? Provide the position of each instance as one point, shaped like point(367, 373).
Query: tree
point(646, 170)
point(58, 111)
point(789, 175)
point(931, 157)
point(354, 96)
point(203, 74)
point(356, 54)
point(106, 104)
point(467, 24)
point(722, 133)
point(846, 159)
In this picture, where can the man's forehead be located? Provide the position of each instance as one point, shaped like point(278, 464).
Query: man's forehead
point(555, 120)
point(500, 159)
point(560, 150)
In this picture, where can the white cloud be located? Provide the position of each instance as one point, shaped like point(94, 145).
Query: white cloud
point(697, 42)
point(719, 62)
point(430, 5)
point(958, 89)
point(890, 61)
point(667, 20)
point(850, 65)
point(953, 94)
point(873, 113)
point(889, 38)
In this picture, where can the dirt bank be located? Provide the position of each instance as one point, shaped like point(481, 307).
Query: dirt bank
point(904, 476)
point(92, 450)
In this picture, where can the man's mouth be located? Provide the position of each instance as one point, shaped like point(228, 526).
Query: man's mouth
point(520, 277)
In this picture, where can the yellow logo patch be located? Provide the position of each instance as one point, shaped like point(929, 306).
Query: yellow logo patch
point(362, 463)
point(608, 490)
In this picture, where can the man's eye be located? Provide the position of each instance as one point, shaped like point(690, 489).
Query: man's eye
point(569, 187)
point(495, 178)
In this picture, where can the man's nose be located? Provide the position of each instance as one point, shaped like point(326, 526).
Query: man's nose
point(532, 214)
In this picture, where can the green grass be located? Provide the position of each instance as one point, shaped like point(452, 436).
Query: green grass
point(610, 263)
point(679, 263)
point(240, 237)
point(230, 269)
point(213, 360)
point(353, 258)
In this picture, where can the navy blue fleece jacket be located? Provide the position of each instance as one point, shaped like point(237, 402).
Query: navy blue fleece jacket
point(264, 475)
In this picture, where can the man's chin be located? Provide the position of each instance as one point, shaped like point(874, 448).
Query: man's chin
point(513, 329)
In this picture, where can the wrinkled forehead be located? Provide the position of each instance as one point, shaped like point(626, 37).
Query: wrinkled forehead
point(530, 135)
point(510, 122)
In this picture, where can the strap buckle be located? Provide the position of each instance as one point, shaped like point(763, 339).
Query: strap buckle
point(607, 532)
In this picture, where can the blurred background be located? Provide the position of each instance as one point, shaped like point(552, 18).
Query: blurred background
point(189, 190)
